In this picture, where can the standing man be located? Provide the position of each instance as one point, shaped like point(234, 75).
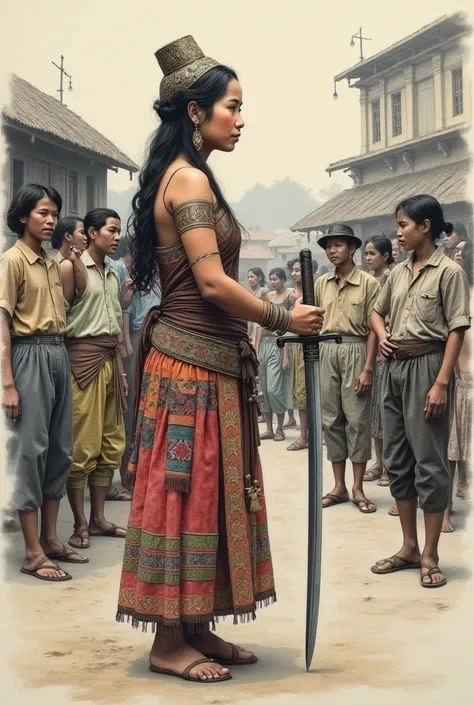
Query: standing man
point(36, 379)
point(348, 295)
point(94, 324)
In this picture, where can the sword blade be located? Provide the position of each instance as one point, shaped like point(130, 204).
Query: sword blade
point(315, 486)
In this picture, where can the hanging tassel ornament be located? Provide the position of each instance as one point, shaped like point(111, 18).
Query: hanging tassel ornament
point(254, 493)
point(197, 138)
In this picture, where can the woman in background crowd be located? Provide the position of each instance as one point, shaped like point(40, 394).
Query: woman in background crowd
point(452, 240)
point(68, 233)
point(379, 258)
point(460, 441)
point(274, 364)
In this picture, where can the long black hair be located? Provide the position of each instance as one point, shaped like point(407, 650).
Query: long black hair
point(174, 137)
point(278, 272)
point(25, 201)
point(423, 207)
point(66, 226)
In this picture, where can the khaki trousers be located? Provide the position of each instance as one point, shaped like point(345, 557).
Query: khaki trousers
point(99, 438)
point(346, 416)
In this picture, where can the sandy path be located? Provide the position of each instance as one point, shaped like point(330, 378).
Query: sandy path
point(381, 632)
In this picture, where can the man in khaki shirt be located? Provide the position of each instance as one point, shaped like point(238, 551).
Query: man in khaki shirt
point(35, 380)
point(94, 323)
point(348, 295)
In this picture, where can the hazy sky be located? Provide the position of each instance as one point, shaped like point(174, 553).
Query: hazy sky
point(285, 59)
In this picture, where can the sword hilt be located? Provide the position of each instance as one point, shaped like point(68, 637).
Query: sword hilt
point(309, 339)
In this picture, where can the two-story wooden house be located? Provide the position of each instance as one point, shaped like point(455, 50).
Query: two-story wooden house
point(415, 108)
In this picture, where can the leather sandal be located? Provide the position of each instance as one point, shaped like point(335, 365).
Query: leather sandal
point(235, 659)
point(185, 674)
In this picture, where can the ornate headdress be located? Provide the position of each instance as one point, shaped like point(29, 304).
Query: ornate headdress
point(182, 63)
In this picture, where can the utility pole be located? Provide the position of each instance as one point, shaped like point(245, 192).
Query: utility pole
point(62, 73)
point(361, 39)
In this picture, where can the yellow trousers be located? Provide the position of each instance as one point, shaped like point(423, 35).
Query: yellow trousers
point(99, 438)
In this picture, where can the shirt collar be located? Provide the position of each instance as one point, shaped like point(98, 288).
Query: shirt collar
point(31, 256)
point(89, 262)
point(433, 261)
point(353, 278)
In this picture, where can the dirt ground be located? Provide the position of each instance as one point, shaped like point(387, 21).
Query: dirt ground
point(379, 636)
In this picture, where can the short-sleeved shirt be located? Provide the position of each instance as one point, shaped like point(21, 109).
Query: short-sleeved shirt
point(348, 307)
point(31, 291)
point(139, 307)
point(118, 267)
point(428, 305)
point(59, 257)
point(98, 311)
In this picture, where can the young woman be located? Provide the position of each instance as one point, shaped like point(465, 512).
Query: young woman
point(298, 383)
point(256, 280)
point(460, 440)
point(192, 553)
point(68, 234)
point(274, 364)
point(427, 301)
point(453, 239)
point(378, 255)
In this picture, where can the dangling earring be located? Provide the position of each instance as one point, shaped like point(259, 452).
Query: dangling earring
point(197, 138)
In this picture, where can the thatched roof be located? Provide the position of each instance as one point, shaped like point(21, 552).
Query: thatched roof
point(31, 108)
point(447, 183)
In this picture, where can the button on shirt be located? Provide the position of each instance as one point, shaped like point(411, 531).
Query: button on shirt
point(98, 311)
point(31, 291)
point(427, 305)
point(348, 307)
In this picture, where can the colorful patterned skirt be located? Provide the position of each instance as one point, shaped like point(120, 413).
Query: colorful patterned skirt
point(193, 557)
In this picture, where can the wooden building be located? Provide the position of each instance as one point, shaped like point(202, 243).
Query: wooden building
point(415, 108)
point(49, 144)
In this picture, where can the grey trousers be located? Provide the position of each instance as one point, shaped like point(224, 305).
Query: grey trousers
point(415, 450)
point(40, 445)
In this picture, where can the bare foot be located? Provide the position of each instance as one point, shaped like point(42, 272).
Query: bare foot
point(447, 527)
point(393, 511)
point(462, 490)
point(210, 643)
point(373, 473)
point(180, 658)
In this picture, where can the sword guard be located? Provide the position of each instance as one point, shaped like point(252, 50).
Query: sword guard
point(308, 339)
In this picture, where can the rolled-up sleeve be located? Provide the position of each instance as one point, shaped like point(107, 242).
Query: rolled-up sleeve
point(455, 292)
point(9, 282)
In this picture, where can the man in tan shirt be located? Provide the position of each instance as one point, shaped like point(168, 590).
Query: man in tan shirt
point(348, 295)
point(94, 324)
point(35, 379)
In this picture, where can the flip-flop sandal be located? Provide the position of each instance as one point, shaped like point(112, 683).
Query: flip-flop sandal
point(373, 476)
point(279, 437)
point(359, 503)
point(393, 511)
point(432, 571)
point(117, 495)
point(267, 437)
point(290, 424)
point(110, 532)
point(335, 499)
point(34, 571)
point(65, 556)
point(383, 482)
point(235, 659)
point(403, 565)
point(297, 445)
point(185, 674)
point(80, 535)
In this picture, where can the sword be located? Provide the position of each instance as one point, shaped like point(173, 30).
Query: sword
point(315, 452)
